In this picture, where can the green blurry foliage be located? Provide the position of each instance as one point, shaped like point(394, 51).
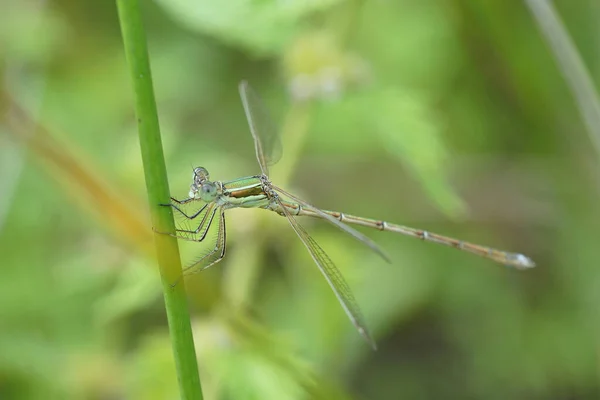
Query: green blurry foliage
point(260, 27)
point(408, 129)
point(402, 122)
point(449, 116)
point(20, 28)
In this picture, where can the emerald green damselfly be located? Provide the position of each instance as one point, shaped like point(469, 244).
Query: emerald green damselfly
point(257, 191)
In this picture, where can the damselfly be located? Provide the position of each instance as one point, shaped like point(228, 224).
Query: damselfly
point(257, 191)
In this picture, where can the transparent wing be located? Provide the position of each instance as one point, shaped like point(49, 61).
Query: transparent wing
point(214, 255)
point(266, 139)
point(333, 276)
point(194, 227)
point(349, 230)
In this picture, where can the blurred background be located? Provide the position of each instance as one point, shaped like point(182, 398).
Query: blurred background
point(451, 116)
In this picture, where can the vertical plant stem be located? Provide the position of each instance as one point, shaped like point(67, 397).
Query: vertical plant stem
point(134, 40)
point(571, 65)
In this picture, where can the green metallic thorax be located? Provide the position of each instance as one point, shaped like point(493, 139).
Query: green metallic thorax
point(244, 192)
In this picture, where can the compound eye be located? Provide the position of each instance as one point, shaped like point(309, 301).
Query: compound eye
point(200, 175)
point(208, 191)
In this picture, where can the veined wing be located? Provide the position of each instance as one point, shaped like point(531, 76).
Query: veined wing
point(349, 230)
point(195, 227)
point(333, 276)
point(214, 255)
point(266, 140)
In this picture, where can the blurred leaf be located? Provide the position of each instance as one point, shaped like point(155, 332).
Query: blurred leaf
point(30, 32)
point(249, 362)
point(76, 174)
point(410, 131)
point(317, 66)
point(151, 370)
point(261, 26)
point(400, 122)
point(410, 43)
point(136, 289)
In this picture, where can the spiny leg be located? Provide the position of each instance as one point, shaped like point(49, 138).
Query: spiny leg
point(202, 228)
point(185, 201)
point(219, 249)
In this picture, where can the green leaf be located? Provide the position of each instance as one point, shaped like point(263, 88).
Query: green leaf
point(410, 131)
point(262, 27)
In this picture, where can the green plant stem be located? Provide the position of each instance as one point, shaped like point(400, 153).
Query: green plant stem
point(169, 262)
point(571, 66)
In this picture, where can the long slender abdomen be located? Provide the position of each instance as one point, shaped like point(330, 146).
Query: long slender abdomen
point(516, 260)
